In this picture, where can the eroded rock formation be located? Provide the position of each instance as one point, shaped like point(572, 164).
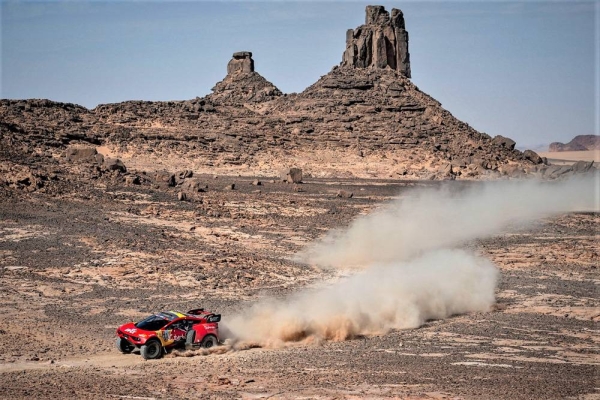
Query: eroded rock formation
point(242, 84)
point(354, 121)
point(382, 42)
point(241, 63)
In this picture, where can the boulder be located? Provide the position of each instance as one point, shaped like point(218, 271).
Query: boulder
point(533, 157)
point(556, 171)
point(582, 166)
point(132, 180)
point(165, 178)
point(291, 175)
point(83, 154)
point(114, 164)
point(193, 185)
point(185, 174)
point(345, 194)
point(512, 170)
point(504, 142)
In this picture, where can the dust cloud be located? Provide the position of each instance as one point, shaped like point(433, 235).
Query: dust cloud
point(440, 218)
point(406, 264)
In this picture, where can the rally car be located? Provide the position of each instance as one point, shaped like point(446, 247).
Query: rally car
point(166, 330)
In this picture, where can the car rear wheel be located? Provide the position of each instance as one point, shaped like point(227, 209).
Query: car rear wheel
point(209, 341)
point(124, 346)
point(151, 350)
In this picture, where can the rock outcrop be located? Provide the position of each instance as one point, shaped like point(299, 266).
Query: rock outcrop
point(242, 84)
point(578, 143)
point(355, 121)
point(241, 63)
point(382, 42)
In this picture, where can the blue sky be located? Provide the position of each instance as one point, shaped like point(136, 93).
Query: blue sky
point(527, 70)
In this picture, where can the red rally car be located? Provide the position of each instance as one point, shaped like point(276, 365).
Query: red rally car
point(157, 333)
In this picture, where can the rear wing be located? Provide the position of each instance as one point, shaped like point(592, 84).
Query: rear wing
point(214, 318)
point(210, 317)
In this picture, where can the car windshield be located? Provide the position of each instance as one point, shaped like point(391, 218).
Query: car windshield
point(152, 323)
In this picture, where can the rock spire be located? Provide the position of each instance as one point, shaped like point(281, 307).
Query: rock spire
point(241, 63)
point(242, 84)
point(380, 43)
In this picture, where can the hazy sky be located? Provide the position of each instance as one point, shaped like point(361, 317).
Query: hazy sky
point(527, 70)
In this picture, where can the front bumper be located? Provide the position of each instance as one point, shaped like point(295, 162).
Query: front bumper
point(134, 340)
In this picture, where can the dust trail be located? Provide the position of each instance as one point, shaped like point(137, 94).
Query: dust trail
point(438, 218)
point(384, 297)
point(409, 271)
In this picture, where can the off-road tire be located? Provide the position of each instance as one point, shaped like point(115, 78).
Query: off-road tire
point(209, 341)
point(124, 346)
point(151, 350)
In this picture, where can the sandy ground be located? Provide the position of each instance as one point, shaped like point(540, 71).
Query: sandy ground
point(570, 157)
point(74, 268)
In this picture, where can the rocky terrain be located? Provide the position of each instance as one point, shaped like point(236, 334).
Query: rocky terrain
point(76, 265)
point(363, 119)
point(578, 143)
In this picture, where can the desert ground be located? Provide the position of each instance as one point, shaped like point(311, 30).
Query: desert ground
point(571, 157)
point(74, 267)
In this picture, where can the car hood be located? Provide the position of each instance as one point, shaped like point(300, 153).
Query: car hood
point(130, 329)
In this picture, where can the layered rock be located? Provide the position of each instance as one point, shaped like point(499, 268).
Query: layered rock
point(382, 42)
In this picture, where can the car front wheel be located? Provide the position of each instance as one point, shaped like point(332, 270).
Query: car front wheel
point(209, 341)
point(124, 346)
point(151, 350)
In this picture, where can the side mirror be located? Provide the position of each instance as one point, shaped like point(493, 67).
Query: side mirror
point(214, 318)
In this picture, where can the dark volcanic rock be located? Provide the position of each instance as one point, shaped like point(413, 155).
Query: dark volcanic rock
point(83, 154)
point(350, 118)
point(381, 43)
point(241, 63)
point(114, 164)
point(504, 142)
point(532, 156)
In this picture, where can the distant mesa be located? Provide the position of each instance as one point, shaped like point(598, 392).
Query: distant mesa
point(381, 43)
point(578, 143)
